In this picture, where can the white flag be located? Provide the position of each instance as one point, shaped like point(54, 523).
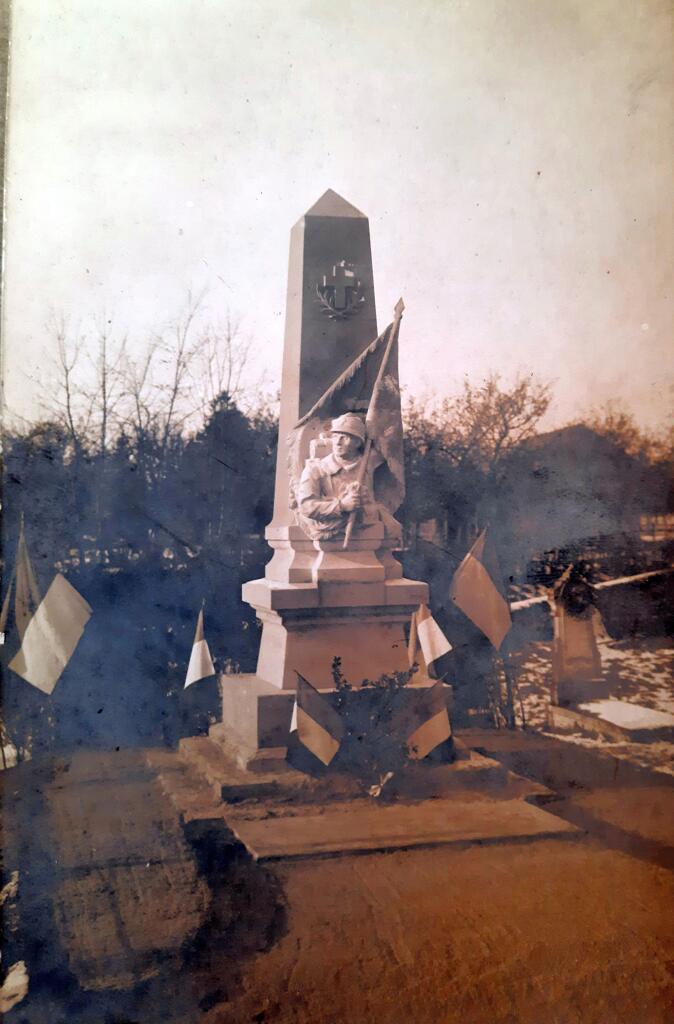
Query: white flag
point(51, 636)
point(293, 720)
point(427, 635)
point(200, 665)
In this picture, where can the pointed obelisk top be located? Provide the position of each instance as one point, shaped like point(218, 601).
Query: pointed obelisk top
point(332, 205)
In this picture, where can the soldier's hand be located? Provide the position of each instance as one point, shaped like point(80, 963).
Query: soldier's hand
point(351, 499)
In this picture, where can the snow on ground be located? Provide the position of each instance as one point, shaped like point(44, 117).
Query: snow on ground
point(639, 671)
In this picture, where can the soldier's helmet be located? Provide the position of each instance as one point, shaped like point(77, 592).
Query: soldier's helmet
point(349, 423)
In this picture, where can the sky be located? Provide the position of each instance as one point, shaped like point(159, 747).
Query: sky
point(514, 158)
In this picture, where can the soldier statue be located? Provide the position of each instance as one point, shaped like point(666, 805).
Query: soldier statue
point(329, 488)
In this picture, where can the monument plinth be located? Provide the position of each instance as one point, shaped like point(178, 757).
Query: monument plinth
point(333, 587)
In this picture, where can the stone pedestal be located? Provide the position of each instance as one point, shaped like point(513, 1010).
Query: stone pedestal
point(256, 717)
point(318, 601)
point(306, 625)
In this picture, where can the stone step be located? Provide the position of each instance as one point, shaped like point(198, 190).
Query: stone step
point(233, 784)
point(367, 825)
point(225, 781)
point(191, 796)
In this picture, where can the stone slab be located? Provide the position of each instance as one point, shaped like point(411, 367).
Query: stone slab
point(614, 719)
point(255, 714)
point(369, 827)
point(630, 716)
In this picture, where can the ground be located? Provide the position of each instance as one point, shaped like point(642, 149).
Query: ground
point(555, 931)
point(574, 930)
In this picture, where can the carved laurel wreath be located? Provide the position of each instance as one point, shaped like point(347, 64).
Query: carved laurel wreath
point(352, 309)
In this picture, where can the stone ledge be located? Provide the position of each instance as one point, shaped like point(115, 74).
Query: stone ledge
point(265, 594)
point(616, 720)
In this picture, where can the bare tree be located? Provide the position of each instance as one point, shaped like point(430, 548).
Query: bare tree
point(467, 440)
point(484, 423)
point(69, 404)
point(108, 392)
point(225, 358)
point(493, 421)
point(613, 421)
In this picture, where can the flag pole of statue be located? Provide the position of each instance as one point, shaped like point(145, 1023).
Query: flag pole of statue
point(201, 663)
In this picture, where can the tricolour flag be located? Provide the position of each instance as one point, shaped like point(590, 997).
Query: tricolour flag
point(424, 722)
point(201, 664)
point(26, 591)
point(319, 727)
point(426, 635)
point(51, 636)
point(477, 589)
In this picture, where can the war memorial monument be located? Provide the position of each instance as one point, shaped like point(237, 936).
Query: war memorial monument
point(333, 589)
point(505, 866)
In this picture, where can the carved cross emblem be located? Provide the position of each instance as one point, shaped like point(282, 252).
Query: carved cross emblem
point(340, 292)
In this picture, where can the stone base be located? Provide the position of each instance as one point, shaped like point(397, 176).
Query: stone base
point(228, 784)
point(575, 691)
point(298, 559)
point(256, 718)
point(306, 625)
point(255, 722)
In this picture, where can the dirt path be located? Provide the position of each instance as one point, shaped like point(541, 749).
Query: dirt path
point(552, 931)
point(545, 932)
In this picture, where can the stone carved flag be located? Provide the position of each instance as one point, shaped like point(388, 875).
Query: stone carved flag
point(425, 722)
point(201, 664)
point(51, 636)
point(351, 392)
point(427, 637)
point(477, 589)
point(319, 727)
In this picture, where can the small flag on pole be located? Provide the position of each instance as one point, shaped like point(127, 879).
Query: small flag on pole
point(51, 636)
point(26, 591)
point(477, 589)
point(426, 635)
point(319, 727)
point(201, 664)
point(425, 722)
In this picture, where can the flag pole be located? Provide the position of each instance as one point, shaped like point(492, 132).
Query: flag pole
point(395, 328)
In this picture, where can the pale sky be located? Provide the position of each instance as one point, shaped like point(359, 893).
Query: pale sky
point(514, 158)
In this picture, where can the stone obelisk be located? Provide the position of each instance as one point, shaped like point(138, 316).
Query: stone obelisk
point(329, 250)
point(318, 600)
point(315, 601)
